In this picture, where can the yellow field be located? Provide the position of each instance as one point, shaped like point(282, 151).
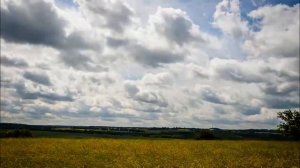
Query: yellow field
point(55, 152)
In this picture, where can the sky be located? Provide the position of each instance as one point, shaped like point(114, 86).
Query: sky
point(149, 63)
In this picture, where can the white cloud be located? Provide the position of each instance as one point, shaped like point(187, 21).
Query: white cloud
point(276, 37)
point(227, 18)
point(240, 71)
point(113, 15)
point(108, 64)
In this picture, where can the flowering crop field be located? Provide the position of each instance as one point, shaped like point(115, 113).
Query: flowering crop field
point(164, 153)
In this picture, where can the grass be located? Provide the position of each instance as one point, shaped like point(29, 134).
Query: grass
point(106, 152)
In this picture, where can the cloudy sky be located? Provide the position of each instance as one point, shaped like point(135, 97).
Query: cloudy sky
point(173, 63)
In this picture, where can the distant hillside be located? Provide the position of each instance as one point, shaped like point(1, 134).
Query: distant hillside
point(140, 132)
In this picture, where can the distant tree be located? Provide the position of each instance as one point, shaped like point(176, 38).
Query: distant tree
point(290, 124)
point(205, 135)
point(18, 133)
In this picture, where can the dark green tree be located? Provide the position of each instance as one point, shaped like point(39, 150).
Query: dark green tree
point(205, 135)
point(18, 133)
point(290, 124)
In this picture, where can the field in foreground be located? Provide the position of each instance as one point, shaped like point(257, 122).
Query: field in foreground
point(55, 152)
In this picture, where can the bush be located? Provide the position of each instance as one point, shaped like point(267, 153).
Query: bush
point(205, 135)
point(18, 133)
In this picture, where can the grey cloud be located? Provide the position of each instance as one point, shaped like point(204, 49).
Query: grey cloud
point(117, 20)
point(77, 112)
point(10, 106)
point(220, 110)
point(282, 89)
point(110, 115)
point(200, 73)
point(38, 78)
point(37, 22)
point(148, 97)
point(33, 22)
point(235, 74)
point(131, 88)
point(194, 102)
point(83, 111)
point(43, 66)
point(114, 42)
point(281, 94)
point(116, 103)
point(150, 109)
point(248, 110)
point(103, 113)
point(80, 62)
point(175, 27)
point(116, 14)
point(38, 112)
point(153, 95)
point(154, 57)
point(233, 70)
point(76, 41)
point(24, 93)
point(48, 101)
point(284, 74)
point(13, 62)
point(55, 97)
point(151, 98)
point(160, 79)
point(212, 96)
point(281, 102)
point(5, 83)
point(102, 80)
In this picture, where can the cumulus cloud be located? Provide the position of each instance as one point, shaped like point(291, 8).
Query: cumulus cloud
point(159, 79)
point(112, 63)
point(155, 57)
point(33, 22)
point(248, 110)
point(24, 93)
point(285, 73)
point(227, 18)
point(115, 15)
point(151, 97)
point(80, 61)
point(281, 88)
point(174, 24)
point(210, 95)
point(131, 88)
point(234, 70)
point(138, 91)
point(39, 23)
point(279, 103)
point(114, 42)
point(38, 78)
point(13, 62)
point(276, 37)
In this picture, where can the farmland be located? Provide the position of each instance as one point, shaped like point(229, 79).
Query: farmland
point(111, 152)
